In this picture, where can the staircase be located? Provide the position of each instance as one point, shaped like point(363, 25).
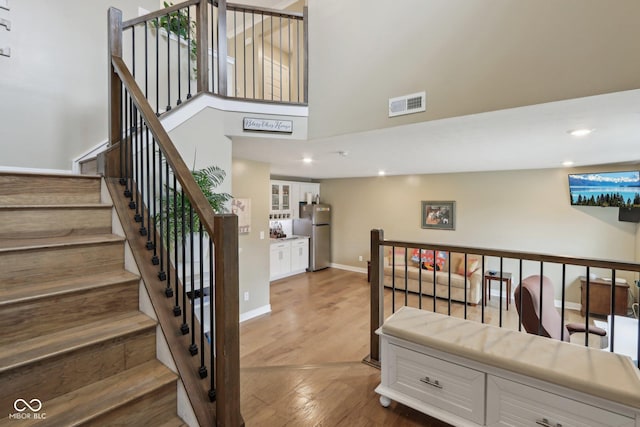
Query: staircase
point(74, 347)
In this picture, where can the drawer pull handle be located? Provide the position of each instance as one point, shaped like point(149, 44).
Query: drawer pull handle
point(435, 383)
point(545, 423)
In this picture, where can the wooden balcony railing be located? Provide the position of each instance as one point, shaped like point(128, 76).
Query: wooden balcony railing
point(561, 269)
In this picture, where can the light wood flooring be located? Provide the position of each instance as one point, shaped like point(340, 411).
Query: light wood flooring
point(301, 363)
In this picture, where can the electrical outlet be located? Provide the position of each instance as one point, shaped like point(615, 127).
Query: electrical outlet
point(246, 296)
point(360, 258)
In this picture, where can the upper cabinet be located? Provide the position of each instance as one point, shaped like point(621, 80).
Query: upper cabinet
point(287, 195)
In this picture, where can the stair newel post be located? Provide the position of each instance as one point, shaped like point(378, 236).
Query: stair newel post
point(115, 91)
point(202, 57)
point(227, 320)
point(377, 296)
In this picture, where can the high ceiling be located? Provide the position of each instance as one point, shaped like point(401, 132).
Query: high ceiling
point(504, 86)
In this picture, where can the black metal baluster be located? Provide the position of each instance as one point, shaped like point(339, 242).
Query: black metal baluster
point(244, 53)
point(519, 297)
point(146, 61)
point(235, 54)
point(289, 21)
point(212, 329)
point(161, 201)
point(612, 328)
point(178, 19)
point(280, 31)
point(157, 67)
point(298, 56)
point(564, 279)
point(168, 63)
point(193, 348)
point(263, 55)
point(123, 127)
point(176, 308)
point(406, 275)
point(185, 326)
point(156, 158)
point(126, 145)
point(164, 253)
point(271, 32)
point(483, 297)
point(147, 147)
point(435, 290)
point(420, 277)
point(586, 312)
point(466, 278)
point(214, 23)
point(449, 285)
point(139, 172)
point(203, 369)
point(541, 299)
point(253, 53)
point(393, 279)
point(189, 52)
point(501, 278)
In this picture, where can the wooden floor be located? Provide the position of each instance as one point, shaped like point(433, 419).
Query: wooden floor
point(301, 364)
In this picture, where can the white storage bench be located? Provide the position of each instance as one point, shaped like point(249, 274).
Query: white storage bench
point(471, 374)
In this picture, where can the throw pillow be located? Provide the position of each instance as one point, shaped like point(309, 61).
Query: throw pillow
point(472, 266)
point(428, 261)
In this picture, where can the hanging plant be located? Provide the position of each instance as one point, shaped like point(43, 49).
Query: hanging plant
point(179, 24)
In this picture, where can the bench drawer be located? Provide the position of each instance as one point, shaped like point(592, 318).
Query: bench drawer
point(513, 404)
point(454, 388)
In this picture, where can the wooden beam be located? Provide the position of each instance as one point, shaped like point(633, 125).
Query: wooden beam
point(115, 89)
point(202, 60)
point(377, 297)
point(222, 47)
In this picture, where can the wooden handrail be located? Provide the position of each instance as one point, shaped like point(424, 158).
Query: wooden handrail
point(157, 14)
point(263, 10)
point(528, 256)
point(182, 172)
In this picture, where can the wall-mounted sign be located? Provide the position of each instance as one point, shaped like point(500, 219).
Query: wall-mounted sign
point(267, 125)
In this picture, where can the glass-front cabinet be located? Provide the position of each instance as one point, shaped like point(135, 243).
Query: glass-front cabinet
point(281, 200)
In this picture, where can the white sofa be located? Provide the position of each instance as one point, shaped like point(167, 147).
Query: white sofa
point(473, 283)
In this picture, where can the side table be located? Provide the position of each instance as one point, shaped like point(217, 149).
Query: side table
point(486, 288)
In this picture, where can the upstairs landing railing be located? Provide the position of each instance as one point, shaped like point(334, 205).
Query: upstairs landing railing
point(232, 51)
point(394, 257)
point(187, 253)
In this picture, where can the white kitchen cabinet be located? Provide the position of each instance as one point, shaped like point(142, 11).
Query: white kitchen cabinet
point(299, 255)
point(281, 207)
point(280, 260)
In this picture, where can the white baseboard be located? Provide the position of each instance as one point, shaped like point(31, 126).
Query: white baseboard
point(349, 268)
point(35, 170)
point(255, 312)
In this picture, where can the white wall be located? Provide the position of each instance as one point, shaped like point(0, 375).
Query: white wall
point(54, 86)
point(514, 210)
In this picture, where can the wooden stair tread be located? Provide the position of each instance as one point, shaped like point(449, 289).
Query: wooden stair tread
point(20, 174)
point(39, 290)
point(39, 348)
point(7, 245)
point(69, 206)
point(90, 402)
point(173, 422)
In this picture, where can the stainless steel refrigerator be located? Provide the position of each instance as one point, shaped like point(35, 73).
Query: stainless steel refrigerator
point(315, 222)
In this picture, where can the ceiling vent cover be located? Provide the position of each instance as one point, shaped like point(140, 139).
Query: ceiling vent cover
point(408, 104)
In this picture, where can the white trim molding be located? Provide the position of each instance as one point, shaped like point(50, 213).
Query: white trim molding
point(349, 268)
point(255, 312)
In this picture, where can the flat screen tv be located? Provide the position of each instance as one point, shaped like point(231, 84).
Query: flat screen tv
point(616, 189)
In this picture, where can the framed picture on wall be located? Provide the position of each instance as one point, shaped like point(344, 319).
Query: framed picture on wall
point(438, 215)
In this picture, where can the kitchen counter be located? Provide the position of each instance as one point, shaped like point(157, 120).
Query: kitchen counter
point(288, 238)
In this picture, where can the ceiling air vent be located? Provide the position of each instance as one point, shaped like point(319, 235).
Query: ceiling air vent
point(408, 104)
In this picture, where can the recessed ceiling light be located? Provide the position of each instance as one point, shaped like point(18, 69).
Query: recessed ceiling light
point(567, 163)
point(307, 159)
point(381, 173)
point(580, 132)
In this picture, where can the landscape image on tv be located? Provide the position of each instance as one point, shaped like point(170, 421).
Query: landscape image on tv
point(617, 189)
